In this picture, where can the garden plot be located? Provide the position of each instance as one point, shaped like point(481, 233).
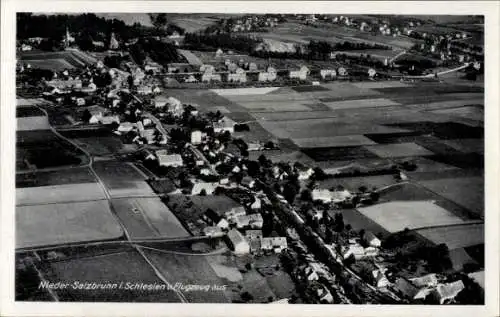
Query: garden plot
point(467, 192)
point(290, 116)
point(274, 106)
point(324, 127)
point(362, 103)
point(345, 90)
point(115, 268)
point(336, 141)
point(59, 194)
point(398, 150)
point(466, 145)
point(148, 217)
point(456, 236)
point(189, 270)
point(397, 215)
point(244, 91)
point(380, 84)
point(469, 112)
point(449, 105)
point(42, 225)
point(57, 64)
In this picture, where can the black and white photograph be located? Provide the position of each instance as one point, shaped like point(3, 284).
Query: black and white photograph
point(217, 157)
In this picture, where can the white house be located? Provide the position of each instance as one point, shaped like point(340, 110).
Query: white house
point(174, 160)
point(428, 280)
point(219, 53)
point(225, 124)
point(208, 187)
point(446, 292)
point(238, 242)
point(372, 240)
point(206, 78)
point(109, 119)
point(254, 221)
point(380, 279)
point(323, 195)
point(327, 73)
point(213, 231)
point(196, 137)
point(305, 173)
point(356, 250)
point(235, 212)
point(276, 244)
point(125, 127)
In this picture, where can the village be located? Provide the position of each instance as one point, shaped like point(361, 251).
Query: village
point(218, 176)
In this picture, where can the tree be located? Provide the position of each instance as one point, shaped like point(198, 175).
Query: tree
point(289, 192)
point(159, 20)
point(339, 222)
point(319, 174)
point(306, 195)
point(203, 192)
point(374, 196)
point(248, 266)
point(262, 160)
point(86, 115)
point(246, 296)
point(362, 189)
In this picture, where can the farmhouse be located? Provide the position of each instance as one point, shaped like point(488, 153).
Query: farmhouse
point(196, 137)
point(225, 124)
point(200, 186)
point(213, 231)
point(372, 240)
point(447, 292)
point(238, 242)
point(240, 76)
point(253, 237)
point(235, 212)
point(109, 119)
point(212, 218)
point(206, 78)
point(328, 73)
point(254, 221)
point(173, 160)
point(125, 127)
point(380, 280)
point(425, 281)
point(276, 244)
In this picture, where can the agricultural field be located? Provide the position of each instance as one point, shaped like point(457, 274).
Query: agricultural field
point(148, 217)
point(28, 111)
point(398, 150)
point(59, 194)
point(364, 103)
point(193, 24)
point(122, 179)
point(44, 149)
point(50, 224)
point(457, 236)
point(395, 216)
point(126, 267)
point(354, 183)
point(465, 191)
point(359, 221)
point(336, 141)
point(189, 269)
point(104, 145)
point(76, 175)
point(57, 60)
point(469, 112)
point(190, 57)
point(339, 153)
point(460, 257)
point(466, 145)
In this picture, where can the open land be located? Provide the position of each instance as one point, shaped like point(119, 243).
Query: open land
point(398, 215)
point(41, 225)
point(148, 217)
point(455, 237)
point(59, 194)
point(126, 267)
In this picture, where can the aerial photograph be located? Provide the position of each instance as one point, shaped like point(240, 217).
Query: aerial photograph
point(250, 158)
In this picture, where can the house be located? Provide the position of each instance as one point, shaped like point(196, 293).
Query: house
point(305, 173)
point(327, 73)
point(196, 137)
point(213, 218)
point(190, 79)
point(125, 127)
point(109, 119)
point(323, 195)
point(205, 171)
point(238, 242)
point(254, 237)
point(237, 77)
point(225, 124)
point(324, 295)
point(149, 135)
point(372, 240)
point(219, 53)
point(235, 212)
point(447, 292)
point(478, 277)
point(276, 244)
point(429, 280)
point(406, 288)
point(173, 160)
point(254, 147)
point(206, 78)
point(380, 280)
point(145, 90)
point(200, 186)
point(280, 301)
point(257, 204)
point(213, 231)
point(248, 182)
point(355, 250)
point(254, 221)
point(148, 156)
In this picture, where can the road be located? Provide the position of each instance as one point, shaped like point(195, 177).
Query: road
point(200, 155)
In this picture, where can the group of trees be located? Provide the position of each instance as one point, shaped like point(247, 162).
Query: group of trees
point(161, 52)
point(241, 43)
